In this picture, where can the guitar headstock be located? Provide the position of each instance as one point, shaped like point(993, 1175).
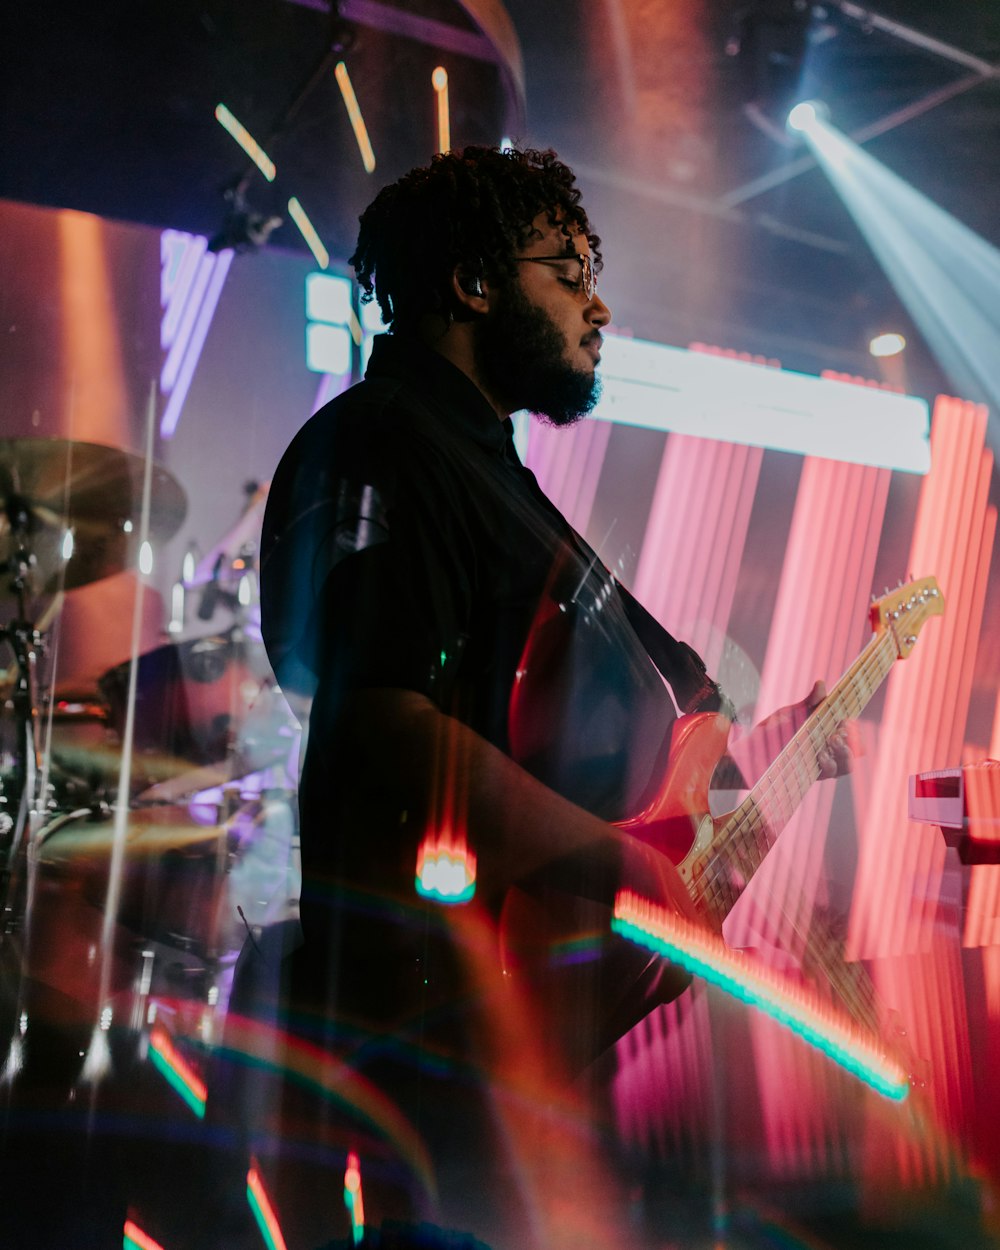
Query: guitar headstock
point(904, 610)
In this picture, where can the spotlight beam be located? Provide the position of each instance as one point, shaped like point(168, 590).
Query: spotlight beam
point(750, 190)
point(946, 275)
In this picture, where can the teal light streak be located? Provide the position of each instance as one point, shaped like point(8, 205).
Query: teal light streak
point(261, 1219)
point(357, 1229)
point(895, 1090)
point(437, 897)
point(196, 1104)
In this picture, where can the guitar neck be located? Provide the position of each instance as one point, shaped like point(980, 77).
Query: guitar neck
point(744, 836)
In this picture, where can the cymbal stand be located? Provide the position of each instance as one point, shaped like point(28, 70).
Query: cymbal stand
point(27, 644)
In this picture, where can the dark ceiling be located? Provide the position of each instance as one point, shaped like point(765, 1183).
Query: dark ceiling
point(713, 228)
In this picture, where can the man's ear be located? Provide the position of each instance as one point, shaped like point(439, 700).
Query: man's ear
point(471, 292)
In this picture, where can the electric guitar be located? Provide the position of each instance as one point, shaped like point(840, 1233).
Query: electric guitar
point(716, 856)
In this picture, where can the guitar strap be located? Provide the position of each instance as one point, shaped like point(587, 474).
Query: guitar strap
point(679, 664)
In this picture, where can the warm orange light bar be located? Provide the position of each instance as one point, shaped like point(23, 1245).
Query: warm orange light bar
point(246, 141)
point(136, 1239)
point(168, 1060)
point(354, 113)
point(352, 1197)
point(308, 232)
point(705, 954)
point(263, 1212)
point(439, 80)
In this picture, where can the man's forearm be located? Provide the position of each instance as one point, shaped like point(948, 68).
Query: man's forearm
point(518, 827)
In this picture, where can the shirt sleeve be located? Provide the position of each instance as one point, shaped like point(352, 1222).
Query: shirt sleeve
point(366, 568)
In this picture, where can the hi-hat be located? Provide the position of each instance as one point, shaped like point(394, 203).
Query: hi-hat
point(54, 487)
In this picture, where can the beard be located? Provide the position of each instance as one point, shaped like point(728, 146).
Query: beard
point(521, 357)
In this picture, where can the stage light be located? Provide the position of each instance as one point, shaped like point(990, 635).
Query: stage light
point(309, 233)
point(666, 388)
point(354, 113)
point(804, 115)
point(243, 228)
point(328, 348)
point(439, 81)
point(886, 345)
point(946, 276)
point(246, 141)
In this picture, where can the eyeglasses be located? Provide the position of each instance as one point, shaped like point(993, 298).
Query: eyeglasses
point(586, 283)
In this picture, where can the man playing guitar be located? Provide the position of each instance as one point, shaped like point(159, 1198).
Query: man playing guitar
point(482, 689)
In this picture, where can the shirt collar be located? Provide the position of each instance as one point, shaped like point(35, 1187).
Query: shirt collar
point(443, 385)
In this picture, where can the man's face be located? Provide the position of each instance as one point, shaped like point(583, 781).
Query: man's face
point(540, 344)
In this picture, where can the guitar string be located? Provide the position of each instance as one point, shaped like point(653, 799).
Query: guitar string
point(741, 822)
point(799, 760)
point(855, 689)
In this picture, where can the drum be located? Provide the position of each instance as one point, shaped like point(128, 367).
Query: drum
point(206, 701)
point(173, 879)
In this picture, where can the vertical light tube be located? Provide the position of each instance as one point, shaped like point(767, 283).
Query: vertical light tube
point(895, 918)
point(695, 536)
point(439, 80)
point(567, 464)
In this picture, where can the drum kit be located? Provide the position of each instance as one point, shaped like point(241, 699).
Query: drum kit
point(148, 823)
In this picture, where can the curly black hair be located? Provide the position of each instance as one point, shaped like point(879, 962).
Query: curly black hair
point(471, 208)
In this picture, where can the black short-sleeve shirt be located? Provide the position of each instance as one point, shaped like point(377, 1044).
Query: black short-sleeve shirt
point(405, 545)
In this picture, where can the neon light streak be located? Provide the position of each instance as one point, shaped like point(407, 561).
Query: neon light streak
point(246, 141)
point(308, 232)
point(136, 1239)
point(263, 1212)
point(190, 300)
point(170, 1064)
point(199, 333)
point(313, 1068)
point(352, 1197)
point(439, 81)
point(446, 869)
point(706, 955)
point(354, 113)
point(181, 258)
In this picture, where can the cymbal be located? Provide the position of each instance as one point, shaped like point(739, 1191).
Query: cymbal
point(49, 486)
